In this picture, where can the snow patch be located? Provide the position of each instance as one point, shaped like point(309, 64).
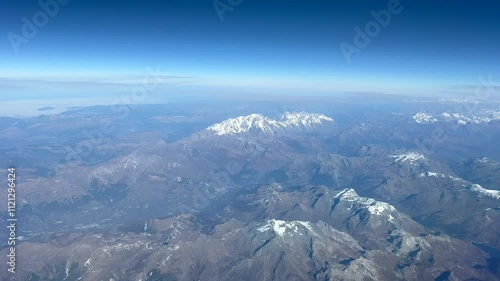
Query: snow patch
point(437, 175)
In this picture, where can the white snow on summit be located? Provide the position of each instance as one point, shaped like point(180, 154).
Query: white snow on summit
point(258, 121)
point(484, 160)
point(438, 175)
point(411, 157)
point(464, 118)
point(303, 119)
point(482, 116)
point(280, 227)
point(243, 124)
point(424, 118)
point(373, 206)
point(486, 192)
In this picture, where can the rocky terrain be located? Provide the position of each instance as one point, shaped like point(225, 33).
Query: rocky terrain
point(338, 193)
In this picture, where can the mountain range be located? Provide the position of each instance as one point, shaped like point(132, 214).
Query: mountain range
point(295, 196)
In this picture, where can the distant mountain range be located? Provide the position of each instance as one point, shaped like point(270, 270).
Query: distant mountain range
point(484, 116)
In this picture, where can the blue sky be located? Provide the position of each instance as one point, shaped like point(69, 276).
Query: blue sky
point(95, 48)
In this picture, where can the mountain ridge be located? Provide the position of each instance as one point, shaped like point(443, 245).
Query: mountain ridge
point(247, 123)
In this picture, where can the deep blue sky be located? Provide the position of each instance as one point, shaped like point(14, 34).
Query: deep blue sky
point(291, 46)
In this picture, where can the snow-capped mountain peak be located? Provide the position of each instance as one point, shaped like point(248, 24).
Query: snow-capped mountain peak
point(464, 118)
point(485, 192)
point(373, 206)
point(303, 119)
point(424, 118)
point(243, 124)
point(410, 157)
point(281, 227)
point(259, 122)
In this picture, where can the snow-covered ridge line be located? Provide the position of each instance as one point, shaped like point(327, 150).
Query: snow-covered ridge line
point(424, 118)
point(477, 117)
point(486, 192)
point(438, 175)
point(411, 157)
point(373, 206)
point(244, 124)
point(280, 227)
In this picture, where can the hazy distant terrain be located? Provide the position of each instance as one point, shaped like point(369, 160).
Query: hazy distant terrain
point(320, 189)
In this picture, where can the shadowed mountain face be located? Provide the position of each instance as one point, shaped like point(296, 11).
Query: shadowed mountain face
point(322, 193)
